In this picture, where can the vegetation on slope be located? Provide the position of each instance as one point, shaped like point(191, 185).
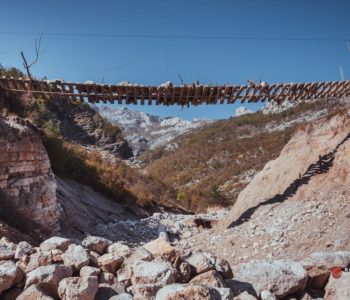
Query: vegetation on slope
point(212, 165)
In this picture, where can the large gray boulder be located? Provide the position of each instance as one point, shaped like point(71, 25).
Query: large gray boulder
point(9, 274)
point(75, 257)
point(55, 242)
point(97, 244)
point(318, 266)
point(78, 288)
point(281, 277)
point(157, 271)
point(34, 292)
point(338, 288)
point(48, 277)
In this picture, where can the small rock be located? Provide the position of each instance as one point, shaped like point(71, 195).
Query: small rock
point(9, 274)
point(267, 295)
point(38, 259)
point(55, 242)
point(97, 244)
point(178, 291)
point(34, 292)
point(154, 272)
point(211, 278)
point(120, 249)
point(48, 277)
point(184, 271)
point(225, 293)
point(23, 249)
point(76, 257)
point(145, 291)
point(244, 296)
point(123, 296)
point(108, 278)
point(200, 263)
point(160, 247)
point(7, 249)
point(82, 288)
point(87, 271)
point(110, 262)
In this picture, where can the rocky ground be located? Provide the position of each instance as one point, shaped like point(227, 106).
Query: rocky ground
point(97, 268)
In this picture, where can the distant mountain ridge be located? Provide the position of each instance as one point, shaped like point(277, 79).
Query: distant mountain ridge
point(144, 131)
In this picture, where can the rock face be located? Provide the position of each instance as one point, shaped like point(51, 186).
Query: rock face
point(281, 277)
point(321, 147)
point(26, 178)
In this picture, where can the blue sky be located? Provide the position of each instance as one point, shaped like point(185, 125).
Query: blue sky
point(156, 60)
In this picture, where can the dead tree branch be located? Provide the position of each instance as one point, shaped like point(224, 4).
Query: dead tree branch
point(37, 54)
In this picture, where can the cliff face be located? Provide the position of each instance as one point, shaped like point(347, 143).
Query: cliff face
point(26, 179)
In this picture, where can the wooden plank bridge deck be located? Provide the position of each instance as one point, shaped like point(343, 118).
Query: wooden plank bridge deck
point(168, 94)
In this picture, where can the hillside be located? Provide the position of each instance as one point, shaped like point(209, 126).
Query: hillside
point(212, 165)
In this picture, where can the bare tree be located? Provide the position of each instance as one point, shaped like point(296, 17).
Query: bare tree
point(37, 53)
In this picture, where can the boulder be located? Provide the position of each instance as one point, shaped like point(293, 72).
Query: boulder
point(160, 247)
point(110, 262)
point(23, 249)
point(318, 266)
point(37, 260)
point(55, 242)
point(34, 292)
point(125, 273)
point(200, 263)
point(87, 271)
point(120, 250)
point(7, 249)
point(186, 291)
point(157, 271)
point(123, 296)
point(78, 288)
point(338, 288)
point(97, 244)
point(75, 257)
point(211, 278)
point(244, 296)
point(48, 277)
point(106, 291)
point(9, 274)
point(281, 277)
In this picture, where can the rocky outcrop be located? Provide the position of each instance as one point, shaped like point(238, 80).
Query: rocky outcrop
point(27, 185)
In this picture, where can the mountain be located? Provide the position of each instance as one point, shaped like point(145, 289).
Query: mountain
point(144, 131)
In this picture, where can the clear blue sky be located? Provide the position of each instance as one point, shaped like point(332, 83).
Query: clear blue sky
point(156, 60)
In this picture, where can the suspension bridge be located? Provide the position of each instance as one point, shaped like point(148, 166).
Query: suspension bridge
point(168, 94)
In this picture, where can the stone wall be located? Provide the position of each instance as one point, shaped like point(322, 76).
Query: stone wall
point(26, 178)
